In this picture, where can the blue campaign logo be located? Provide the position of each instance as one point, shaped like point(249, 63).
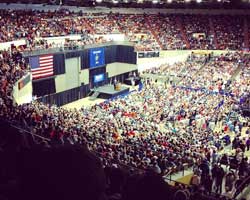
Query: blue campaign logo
point(97, 57)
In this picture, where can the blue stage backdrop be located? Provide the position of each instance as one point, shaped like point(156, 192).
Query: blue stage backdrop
point(97, 57)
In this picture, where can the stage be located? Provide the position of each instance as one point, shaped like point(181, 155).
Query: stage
point(108, 91)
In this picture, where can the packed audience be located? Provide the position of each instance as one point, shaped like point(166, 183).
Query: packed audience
point(137, 29)
point(247, 32)
point(104, 24)
point(164, 127)
point(168, 34)
point(183, 121)
point(229, 32)
point(198, 32)
point(149, 32)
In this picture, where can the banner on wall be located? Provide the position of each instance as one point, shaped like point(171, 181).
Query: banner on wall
point(97, 57)
point(24, 81)
point(150, 54)
point(22, 90)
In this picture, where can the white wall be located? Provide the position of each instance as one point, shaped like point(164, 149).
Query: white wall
point(170, 57)
point(114, 69)
point(112, 37)
point(84, 76)
point(7, 45)
point(24, 95)
point(166, 57)
point(60, 39)
point(71, 78)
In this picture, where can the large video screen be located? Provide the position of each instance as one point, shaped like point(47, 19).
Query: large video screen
point(98, 78)
point(97, 57)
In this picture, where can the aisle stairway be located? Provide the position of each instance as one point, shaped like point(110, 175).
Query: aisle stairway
point(211, 25)
point(94, 95)
point(246, 34)
point(154, 33)
point(236, 72)
point(183, 34)
point(92, 31)
point(194, 76)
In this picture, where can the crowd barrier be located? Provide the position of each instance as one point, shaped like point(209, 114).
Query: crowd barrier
point(222, 92)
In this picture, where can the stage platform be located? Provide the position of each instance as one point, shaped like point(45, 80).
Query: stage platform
point(108, 91)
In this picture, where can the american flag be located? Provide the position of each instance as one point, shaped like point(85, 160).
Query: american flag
point(41, 66)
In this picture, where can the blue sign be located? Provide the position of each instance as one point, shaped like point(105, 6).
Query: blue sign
point(97, 57)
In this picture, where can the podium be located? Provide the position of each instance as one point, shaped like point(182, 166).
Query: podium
point(117, 86)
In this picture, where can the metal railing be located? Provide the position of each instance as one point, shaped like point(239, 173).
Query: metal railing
point(70, 48)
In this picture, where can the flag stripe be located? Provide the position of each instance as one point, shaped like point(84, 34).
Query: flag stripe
point(44, 71)
point(46, 64)
point(43, 75)
point(41, 66)
point(46, 61)
point(34, 70)
point(46, 57)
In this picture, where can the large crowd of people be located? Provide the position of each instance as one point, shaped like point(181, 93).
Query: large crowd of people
point(148, 31)
point(198, 32)
point(163, 127)
point(184, 120)
point(168, 34)
point(230, 35)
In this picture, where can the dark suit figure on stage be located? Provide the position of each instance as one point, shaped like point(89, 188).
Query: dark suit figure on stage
point(115, 83)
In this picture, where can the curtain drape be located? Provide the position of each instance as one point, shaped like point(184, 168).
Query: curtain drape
point(44, 87)
point(59, 64)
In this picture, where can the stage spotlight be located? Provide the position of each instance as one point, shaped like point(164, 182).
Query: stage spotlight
point(115, 1)
point(198, 1)
point(169, 1)
point(155, 1)
point(98, 1)
point(187, 1)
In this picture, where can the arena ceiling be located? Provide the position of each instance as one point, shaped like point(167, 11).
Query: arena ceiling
point(213, 4)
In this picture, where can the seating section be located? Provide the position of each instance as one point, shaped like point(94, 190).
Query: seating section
point(229, 32)
point(166, 31)
point(248, 33)
point(162, 128)
point(137, 29)
point(182, 119)
point(149, 32)
point(198, 31)
point(103, 24)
